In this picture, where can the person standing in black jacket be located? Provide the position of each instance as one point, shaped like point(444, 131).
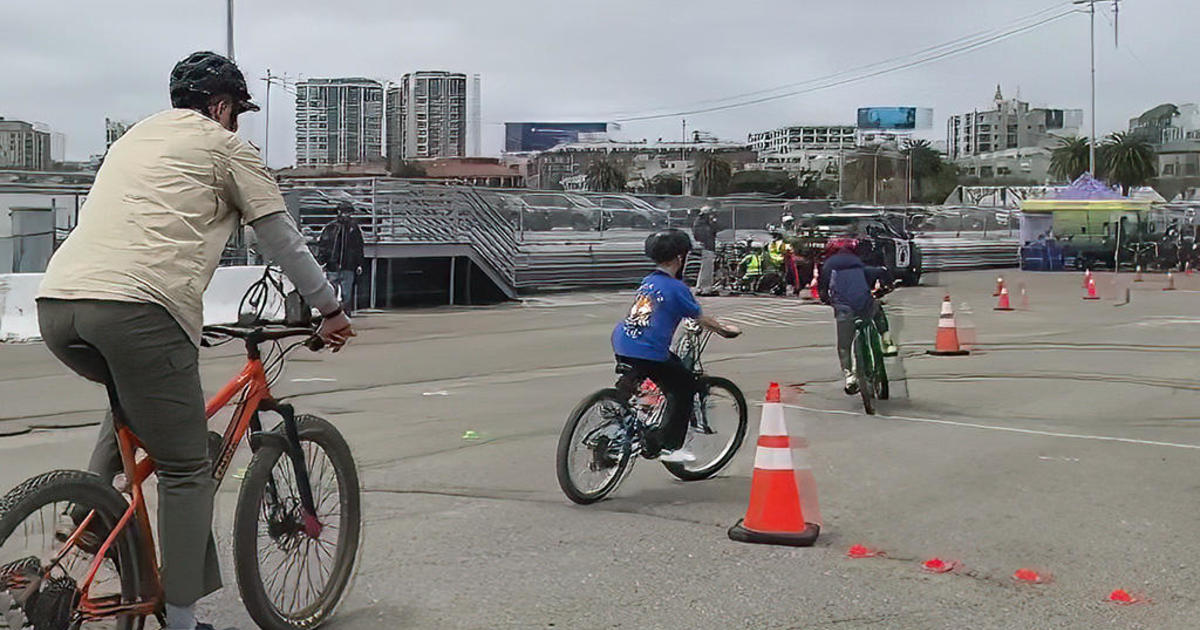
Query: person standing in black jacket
point(704, 230)
point(340, 249)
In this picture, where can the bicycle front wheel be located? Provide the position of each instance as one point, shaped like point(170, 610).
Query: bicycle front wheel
point(717, 430)
point(288, 578)
point(593, 451)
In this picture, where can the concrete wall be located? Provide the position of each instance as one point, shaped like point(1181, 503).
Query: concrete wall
point(18, 310)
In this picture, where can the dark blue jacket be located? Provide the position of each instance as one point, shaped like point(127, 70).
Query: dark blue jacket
point(845, 281)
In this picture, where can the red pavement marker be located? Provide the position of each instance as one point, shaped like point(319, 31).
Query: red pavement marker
point(937, 565)
point(862, 551)
point(1029, 576)
point(1121, 596)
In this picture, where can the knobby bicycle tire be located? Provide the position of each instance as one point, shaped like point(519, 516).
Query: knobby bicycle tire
point(865, 373)
point(681, 471)
point(87, 489)
point(246, 523)
point(567, 439)
point(882, 389)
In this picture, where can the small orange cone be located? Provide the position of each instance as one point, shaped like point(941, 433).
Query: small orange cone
point(1029, 576)
point(946, 343)
point(1170, 282)
point(1187, 268)
point(862, 551)
point(999, 286)
point(1024, 298)
point(1121, 596)
point(813, 292)
point(1087, 277)
point(775, 515)
point(1091, 293)
point(1137, 275)
point(937, 565)
point(1003, 305)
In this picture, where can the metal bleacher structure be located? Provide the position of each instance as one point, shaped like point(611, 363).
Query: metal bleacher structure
point(421, 219)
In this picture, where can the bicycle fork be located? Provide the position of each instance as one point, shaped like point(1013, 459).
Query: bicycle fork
point(289, 442)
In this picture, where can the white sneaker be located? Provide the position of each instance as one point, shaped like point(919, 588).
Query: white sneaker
point(851, 382)
point(677, 456)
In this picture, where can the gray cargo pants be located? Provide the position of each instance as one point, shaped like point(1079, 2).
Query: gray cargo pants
point(155, 368)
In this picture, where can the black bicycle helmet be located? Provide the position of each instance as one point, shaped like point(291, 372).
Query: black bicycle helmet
point(667, 245)
point(203, 75)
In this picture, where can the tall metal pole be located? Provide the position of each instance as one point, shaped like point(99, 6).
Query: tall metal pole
point(229, 29)
point(1091, 144)
point(267, 116)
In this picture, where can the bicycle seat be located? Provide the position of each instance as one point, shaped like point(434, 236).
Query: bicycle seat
point(87, 361)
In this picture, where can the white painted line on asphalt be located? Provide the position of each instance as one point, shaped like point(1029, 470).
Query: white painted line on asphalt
point(315, 379)
point(972, 425)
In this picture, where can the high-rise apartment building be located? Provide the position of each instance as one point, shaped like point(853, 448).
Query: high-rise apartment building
point(23, 147)
point(427, 116)
point(801, 138)
point(1011, 124)
point(339, 121)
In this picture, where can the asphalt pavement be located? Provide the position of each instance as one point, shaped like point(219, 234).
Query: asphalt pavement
point(1067, 442)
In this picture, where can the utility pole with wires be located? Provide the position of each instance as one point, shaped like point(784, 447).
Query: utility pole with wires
point(229, 29)
point(1091, 4)
point(287, 86)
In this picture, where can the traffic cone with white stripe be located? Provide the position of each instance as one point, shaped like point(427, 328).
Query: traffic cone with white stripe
point(775, 515)
point(1003, 304)
point(946, 343)
point(1170, 282)
point(999, 286)
point(813, 292)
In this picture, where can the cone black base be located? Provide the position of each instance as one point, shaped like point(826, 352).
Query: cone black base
point(1096, 298)
point(997, 308)
point(805, 538)
point(948, 353)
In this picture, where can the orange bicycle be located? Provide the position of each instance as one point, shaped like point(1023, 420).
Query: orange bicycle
point(77, 551)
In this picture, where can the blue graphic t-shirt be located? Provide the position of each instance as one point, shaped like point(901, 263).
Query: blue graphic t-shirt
point(646, 332)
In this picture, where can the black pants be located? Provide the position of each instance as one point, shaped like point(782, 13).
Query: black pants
point(678, 384)
point(845, 328)
point(155, 369)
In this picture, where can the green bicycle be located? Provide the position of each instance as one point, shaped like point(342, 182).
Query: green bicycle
point(868, 364)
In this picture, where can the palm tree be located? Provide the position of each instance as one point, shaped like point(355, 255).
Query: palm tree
point(1127, 160)
point(605, 175)
point(925, 164)
point(1070, 158)
point(712, 176)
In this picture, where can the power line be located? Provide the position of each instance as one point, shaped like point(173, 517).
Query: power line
point(966, 40)
point(853, 79)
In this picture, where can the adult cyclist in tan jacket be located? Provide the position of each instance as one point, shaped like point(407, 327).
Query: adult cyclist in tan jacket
point(129, 282)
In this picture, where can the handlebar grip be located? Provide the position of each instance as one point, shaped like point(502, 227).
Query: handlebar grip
point(315, 343)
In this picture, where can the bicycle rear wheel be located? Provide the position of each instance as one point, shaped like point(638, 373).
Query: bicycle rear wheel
point(882, 391)
point(864, 370)
point(35, 521)
point(717, 430)
point(289, 579)
point(594, 452)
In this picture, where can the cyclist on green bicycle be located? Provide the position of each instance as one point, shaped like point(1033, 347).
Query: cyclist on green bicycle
point(846, 284)
point(642, 339)
point(129, 282)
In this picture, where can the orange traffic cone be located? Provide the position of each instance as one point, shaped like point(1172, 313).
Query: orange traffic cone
point(1087, 277)
point(1003, 304)
point(946, 344)
point(999, 286)
point(1137, 274)
point(813, 292)
point(1091, 293)
point(1187, 268)
point(1170, 282)
point(775, 515)
point(1024, 298)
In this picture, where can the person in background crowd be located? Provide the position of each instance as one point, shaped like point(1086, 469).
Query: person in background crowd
point(704, 230)
point(340, 249)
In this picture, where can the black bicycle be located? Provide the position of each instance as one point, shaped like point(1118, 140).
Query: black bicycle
point(605, 432)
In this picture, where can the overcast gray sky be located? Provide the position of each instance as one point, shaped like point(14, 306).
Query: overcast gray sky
point(70, 64)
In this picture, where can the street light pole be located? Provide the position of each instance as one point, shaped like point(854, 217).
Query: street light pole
point(267, 116)
point(1092, 140)
point(229, 29)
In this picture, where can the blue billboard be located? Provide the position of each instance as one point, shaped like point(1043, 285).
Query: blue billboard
point(539, 136)
point(897, 118)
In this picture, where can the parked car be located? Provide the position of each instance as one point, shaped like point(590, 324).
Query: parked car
point(557, 210)
point(883, 241)
point(625, 211)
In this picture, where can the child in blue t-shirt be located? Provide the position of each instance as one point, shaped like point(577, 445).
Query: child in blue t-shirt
point(643, 339)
